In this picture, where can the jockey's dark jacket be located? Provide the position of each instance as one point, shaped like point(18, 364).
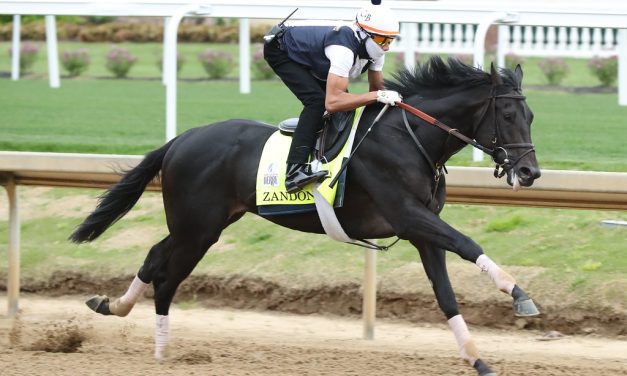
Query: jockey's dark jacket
point(305, 45)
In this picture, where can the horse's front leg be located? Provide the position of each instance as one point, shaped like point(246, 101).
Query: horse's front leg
point(426, 225)
point(434, 263)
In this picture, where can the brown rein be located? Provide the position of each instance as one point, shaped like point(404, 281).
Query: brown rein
point(452, 131)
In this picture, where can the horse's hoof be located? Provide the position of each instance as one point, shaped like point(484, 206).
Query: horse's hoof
point(525, 308)
point(99, 304)
point(482, 368)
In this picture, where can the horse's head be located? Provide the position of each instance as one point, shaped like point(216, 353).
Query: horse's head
point(506, 129)
point(486, 107)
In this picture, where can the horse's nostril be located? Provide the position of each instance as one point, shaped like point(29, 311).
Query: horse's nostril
point(524, 172)
point(528, 173)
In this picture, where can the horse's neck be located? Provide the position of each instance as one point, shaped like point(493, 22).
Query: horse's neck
point(461, 110)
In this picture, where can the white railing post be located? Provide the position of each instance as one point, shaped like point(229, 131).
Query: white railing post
point(164, 60)
point(53, 52)
point(169, 44)
point(13, 275)
point(502, 45)
point(15, 45)
point(551, 38)
point(370, 292)
point(244, 56)
point(622, 67)
point(410, 40)
point(425, 35)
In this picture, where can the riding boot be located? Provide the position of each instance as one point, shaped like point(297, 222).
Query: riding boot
point(299, 175)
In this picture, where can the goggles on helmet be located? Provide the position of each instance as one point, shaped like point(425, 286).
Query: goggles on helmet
point(381, 40)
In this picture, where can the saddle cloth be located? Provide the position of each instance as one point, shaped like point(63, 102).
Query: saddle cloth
point(273, 199)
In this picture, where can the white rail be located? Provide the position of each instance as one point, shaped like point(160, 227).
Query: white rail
point(579, 42)
point(475, 185)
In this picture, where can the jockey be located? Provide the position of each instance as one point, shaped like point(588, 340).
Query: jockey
point(316, 62)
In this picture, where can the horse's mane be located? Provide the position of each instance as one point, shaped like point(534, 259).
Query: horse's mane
point(435, 75)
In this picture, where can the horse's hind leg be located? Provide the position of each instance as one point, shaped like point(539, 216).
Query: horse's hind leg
point(434, 263)
point(193, 232)
point(156, 257)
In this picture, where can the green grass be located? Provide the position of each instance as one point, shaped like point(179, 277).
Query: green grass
point(571, 245)
point(571, 131)
point(104, 115)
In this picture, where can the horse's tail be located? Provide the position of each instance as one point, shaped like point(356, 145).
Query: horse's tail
point(119, 199)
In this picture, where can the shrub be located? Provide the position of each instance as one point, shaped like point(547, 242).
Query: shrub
point(605, 69)
point(261, 69)
point(217, 64)
point(399, 60)
point(118, 32)
point(75, 62)
point(554, 69)
point(120, 61)
point(511, 60)
point(467, 59)
point(180, 60)
point(28, 56)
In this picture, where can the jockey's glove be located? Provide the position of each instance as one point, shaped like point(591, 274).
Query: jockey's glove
point(388, 97)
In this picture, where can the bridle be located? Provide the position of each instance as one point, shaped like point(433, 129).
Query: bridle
point(499, 152)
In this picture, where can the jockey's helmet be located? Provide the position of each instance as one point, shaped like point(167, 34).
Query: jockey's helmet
point(377, 20)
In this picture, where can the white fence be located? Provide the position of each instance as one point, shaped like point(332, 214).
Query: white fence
point(550, 41)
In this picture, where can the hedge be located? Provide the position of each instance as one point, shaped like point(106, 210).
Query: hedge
point(133, 32)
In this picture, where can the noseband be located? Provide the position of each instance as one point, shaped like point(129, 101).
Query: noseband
point(499, 153)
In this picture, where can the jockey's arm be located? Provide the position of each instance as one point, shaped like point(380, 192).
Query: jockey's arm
point(338, 99)
point(375, 80)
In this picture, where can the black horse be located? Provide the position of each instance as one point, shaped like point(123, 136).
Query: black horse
point(394, 186)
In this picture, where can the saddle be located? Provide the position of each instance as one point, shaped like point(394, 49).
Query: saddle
point(331, 138)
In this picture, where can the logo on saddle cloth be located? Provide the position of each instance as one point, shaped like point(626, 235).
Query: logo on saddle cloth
point(273, 199)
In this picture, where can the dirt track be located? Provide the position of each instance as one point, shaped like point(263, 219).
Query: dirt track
point(220, 342)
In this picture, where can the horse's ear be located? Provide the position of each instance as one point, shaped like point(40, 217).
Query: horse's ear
point(518, 73)
point(496, 77)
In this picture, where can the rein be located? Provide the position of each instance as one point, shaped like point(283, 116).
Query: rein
point(499, 154)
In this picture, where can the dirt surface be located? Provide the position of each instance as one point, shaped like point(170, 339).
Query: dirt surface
point(58, 335)
point(480, 304)
point(61, 336)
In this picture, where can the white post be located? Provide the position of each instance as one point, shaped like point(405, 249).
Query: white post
point(53, 52)
point(370, 292)
point(15, 57)
point(502, 45)
point(13, 280)
point(244, 56)
point(622, 67)
point(169, 73)
point(410, 40)
point(169, 63)
point(479, 51)
point(164, 60)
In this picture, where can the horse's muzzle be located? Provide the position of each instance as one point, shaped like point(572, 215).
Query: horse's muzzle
point(525, 175)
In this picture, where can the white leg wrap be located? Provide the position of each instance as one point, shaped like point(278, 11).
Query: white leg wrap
point(134, 292)
point(501, 279)
point(467, 349)
point(162, 334)
point(123, 305)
